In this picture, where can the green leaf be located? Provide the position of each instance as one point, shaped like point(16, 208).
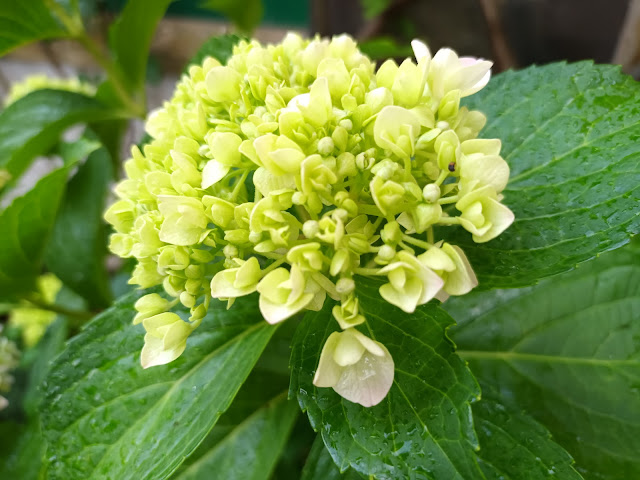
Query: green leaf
point(373, 8)
point(23, 22)
point(21, 454)
point(25, 225)
point(423, 427)
point(21, 457)
point(130, 37)
point(568, 352)
point(33, 124)
point(244, 14)
point(320, 465)
point(251, 450)
point(514, 446)
point(570, 135)
point(106, 417)
point(77, 250)
point(219, 47)
point(381, 48)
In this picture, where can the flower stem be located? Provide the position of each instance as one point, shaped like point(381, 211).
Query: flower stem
point(416, 242)
point(443, 175)
point(447, 200)
point(449, 221)
point(75, 314)
point(136, 109)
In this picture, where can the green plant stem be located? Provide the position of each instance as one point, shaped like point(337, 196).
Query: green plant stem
point(136, 109)
point(449, 221)
point(447, 200)
point(416, 242)
point(51, 307)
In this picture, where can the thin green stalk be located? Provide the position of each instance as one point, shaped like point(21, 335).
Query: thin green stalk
point(75, 314)
point(136, 109)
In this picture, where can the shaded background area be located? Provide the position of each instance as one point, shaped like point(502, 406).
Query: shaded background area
point(514, 33)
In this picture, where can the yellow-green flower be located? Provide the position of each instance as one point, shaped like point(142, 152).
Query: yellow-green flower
point(297, 168)
point(38, 82)
point(31, 320)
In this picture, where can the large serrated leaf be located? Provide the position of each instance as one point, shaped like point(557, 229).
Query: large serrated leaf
point(513, 446)
point(568, 352)
point(570, 135)
point(32, 125)
point(423, 428)
point(105, 417)
point(22, 22)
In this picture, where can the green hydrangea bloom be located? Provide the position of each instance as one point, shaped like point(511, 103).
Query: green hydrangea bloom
point(33, 321)
point(297, 167)
point(38, 82)
point(9, 357)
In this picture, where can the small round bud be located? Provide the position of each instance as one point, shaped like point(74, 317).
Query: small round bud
point(340, 197)
point(230, 251)
point(195, 271)
point(391, 233)
point(345, 285)
point(442, 125)
point(255, 237)
point(346, 124)
point(431, 193)
point(340, 214)
point(299, 198)
point(325, 146)
point(310, 228)
point(187, 299)
point(198, 313)
point(386, 253)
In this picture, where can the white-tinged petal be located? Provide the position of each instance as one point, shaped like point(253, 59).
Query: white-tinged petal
point(349, 349)
point(276, 313)
point(499, 215)
point(368, 381)
point(328, 372)
point(420, 51)
point(154, 354)
point(213, 172)
point(490, 170)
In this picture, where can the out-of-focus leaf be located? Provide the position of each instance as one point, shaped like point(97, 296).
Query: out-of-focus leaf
point(220, 48)
point(25, 21)
point(33, 124)
point(26, 225)
point(130, 37)
point(244, 14)
point(77, 250)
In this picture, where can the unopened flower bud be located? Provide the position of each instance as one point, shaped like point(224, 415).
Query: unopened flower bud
point(431, 193)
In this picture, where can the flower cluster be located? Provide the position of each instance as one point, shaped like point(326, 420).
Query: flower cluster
point(30, 319)
point(38, 82)
point(296, 168)
point(9, 356)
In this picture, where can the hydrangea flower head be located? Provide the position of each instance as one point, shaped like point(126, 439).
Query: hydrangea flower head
point(9, 360)
point(295, 169)
point(38, 82)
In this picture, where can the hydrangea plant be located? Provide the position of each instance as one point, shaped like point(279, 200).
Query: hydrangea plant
point(405, 252)
point(293, 169)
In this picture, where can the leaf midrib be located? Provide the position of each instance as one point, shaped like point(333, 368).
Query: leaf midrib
point(509, 356)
